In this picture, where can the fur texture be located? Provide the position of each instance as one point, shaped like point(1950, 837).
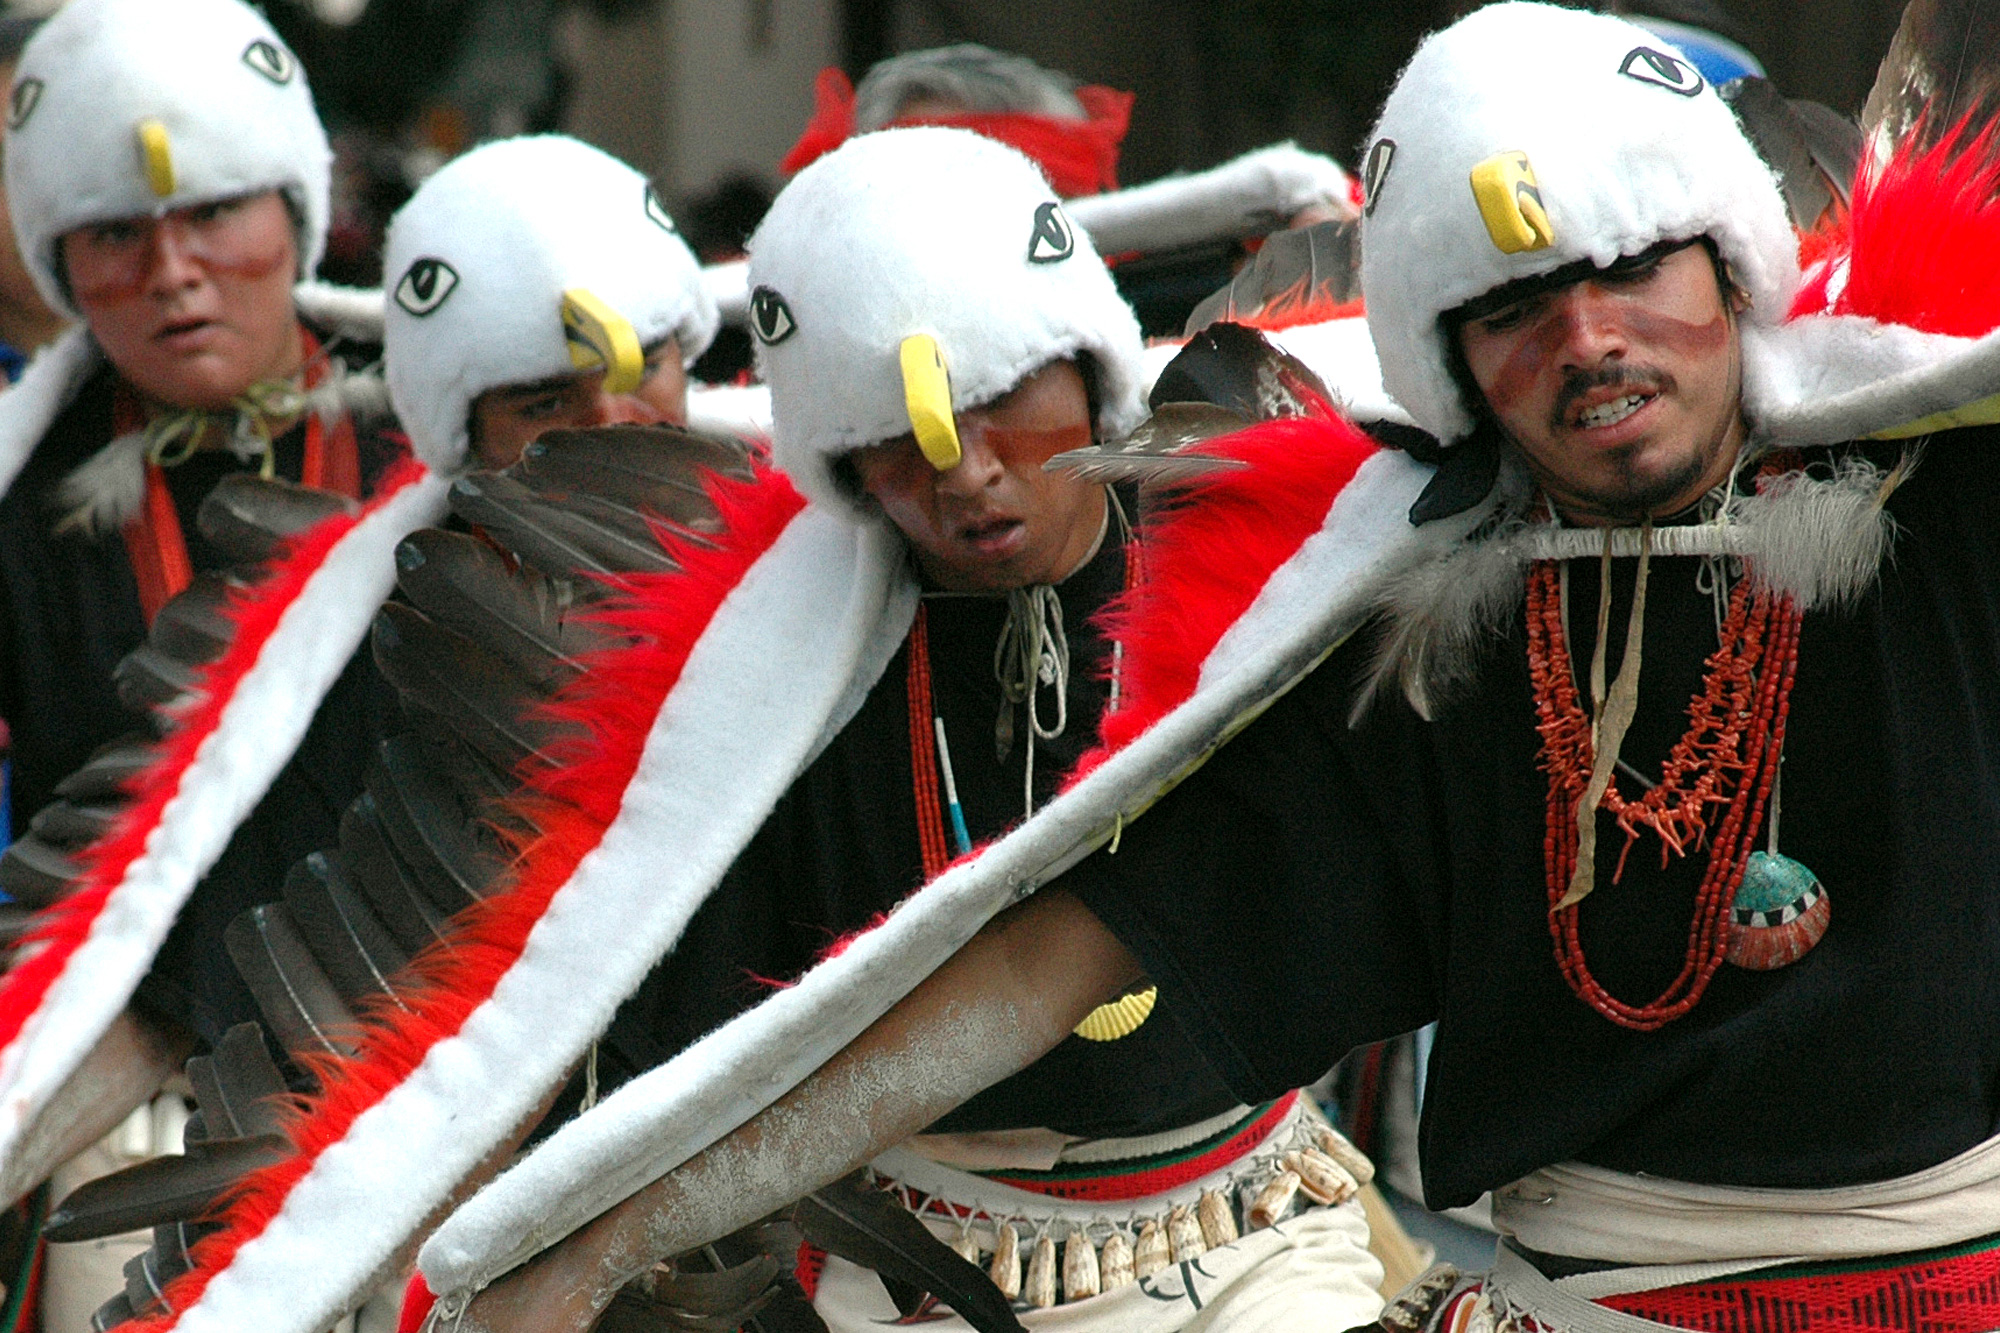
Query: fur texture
point(294, 632)
point(683, 745)
point(518, 223)
point(1819, 539)
point(1208, 556)
point(955, 228)
point(1621, 159)
point(231, 97)
point(1937, 277)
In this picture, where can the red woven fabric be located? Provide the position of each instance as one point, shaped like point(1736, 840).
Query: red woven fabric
point(1113, 1186)
point(1956, 1294)
point(1078, 156)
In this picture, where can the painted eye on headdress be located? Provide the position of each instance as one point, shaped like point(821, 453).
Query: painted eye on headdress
point(1375, 171)
point(1052, 240)
point(425, 285)
point(770, 318)
point(1657, 67)
point(657, 211)
point(274, 62)
point(21, 104)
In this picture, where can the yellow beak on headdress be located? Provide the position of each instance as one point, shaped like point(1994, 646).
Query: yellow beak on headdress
point(600, 336)
point(1510, 203)
point(927, 394)
point(156, 156)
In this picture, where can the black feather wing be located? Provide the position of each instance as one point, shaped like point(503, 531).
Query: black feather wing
point(247, 517)
point(1943, 65)
point(1300, 276)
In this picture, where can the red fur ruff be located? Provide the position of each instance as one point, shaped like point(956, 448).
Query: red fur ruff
point(1205, 562)
point(570, 796)
point(61, 929)
point(1920, 239)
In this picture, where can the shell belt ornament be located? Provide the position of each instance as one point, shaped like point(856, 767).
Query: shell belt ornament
point(1035, 1267)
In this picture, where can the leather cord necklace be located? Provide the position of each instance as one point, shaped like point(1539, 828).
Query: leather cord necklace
point(153, 537)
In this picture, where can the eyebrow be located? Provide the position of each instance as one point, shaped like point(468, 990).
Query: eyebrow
point(552, 383)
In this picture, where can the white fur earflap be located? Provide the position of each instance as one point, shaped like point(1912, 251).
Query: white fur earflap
point(923, 230)
point(224, 100)
point(1608, 133)
point(478, 262)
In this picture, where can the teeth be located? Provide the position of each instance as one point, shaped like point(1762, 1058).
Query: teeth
point(1608, 414)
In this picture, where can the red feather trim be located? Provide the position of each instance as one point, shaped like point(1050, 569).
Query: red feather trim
point(61, 929)
point(571, 795)
point(1206, 561)
point(1920, 238)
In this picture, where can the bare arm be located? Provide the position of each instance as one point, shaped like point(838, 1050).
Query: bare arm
point(1001, 1003)
point(123, 1071)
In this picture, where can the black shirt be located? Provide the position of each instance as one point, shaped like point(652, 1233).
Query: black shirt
point(70, 611)
point(841, 848)
point(1314, 887)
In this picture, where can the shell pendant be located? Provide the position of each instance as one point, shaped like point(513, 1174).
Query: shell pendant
point(1780, 912)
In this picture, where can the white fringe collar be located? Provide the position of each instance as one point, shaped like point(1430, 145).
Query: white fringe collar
point(1819, 539)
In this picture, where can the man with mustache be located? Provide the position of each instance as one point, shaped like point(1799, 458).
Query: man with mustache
point(1694, 1049)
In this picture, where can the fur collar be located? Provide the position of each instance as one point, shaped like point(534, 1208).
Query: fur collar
point(1818, 536)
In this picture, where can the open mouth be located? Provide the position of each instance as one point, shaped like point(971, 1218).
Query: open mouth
point(1610, 413)
point(182, 328)
point(994, 536)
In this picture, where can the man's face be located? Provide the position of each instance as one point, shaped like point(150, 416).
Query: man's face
point(1622, 389)
point(196, 306)
point(996, 520)
point(508, 419)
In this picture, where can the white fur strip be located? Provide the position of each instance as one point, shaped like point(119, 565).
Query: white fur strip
point(259, 727)
point(30, 406)
point(658, 1120)
point(1823, 379)
point(1244, 196)
point(351, 312)
point(749, 706)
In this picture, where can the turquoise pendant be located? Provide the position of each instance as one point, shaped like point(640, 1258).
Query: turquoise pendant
point(1780, 912)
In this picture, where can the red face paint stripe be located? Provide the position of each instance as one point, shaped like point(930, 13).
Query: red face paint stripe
point(571, 796)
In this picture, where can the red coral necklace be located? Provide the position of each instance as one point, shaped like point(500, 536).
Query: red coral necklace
point(1728, 757)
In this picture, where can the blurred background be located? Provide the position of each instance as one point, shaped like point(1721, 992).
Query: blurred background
point(706, 96)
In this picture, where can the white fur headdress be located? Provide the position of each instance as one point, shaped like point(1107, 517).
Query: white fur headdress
point(122, 108)
point(480, 260)
point(931, 220)
point(1590, 138)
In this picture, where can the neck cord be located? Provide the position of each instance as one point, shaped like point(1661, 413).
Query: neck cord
point(1039, 655)
point(153, 537)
